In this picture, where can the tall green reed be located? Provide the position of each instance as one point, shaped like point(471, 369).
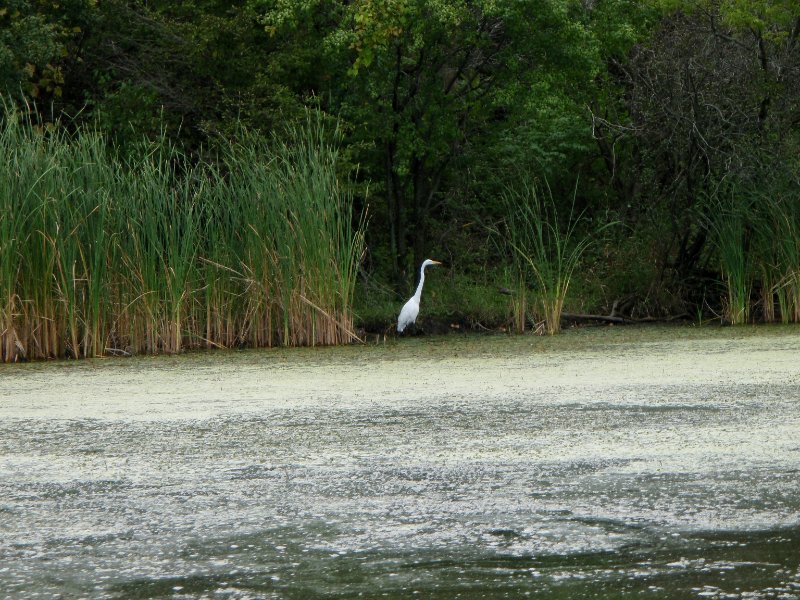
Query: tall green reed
point(545, 249)
point(54, 205)
point(755, 237)
point(296, 254)
point(731, 227)
point(778, 253)
point(159, 245)
point(19, 219)
point(152, 253)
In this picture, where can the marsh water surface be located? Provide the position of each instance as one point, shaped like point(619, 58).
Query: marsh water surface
point(602, 463)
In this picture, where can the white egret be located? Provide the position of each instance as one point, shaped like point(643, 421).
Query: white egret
point(411, 308)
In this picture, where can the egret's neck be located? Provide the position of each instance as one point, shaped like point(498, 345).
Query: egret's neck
point(418, 293)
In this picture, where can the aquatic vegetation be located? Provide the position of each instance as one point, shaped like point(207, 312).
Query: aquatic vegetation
point(755, 238)
point(780, 230)
point(593, 464)
point(152, 253)
point(730, 226)
point(545, 252)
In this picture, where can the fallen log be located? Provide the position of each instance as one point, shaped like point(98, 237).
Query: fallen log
point(621, 320)
point(603, 318)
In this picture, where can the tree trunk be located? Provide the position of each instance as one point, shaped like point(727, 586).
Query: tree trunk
point(420, 215)
point(397, 229)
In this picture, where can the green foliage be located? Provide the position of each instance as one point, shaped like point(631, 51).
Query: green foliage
point(776, 251)
point(442, 104)
point(545, 249)
point(730, 223)
point(756, 16)
point(756, 241)
point(149, 253)
point(422, 83)
point(35, 38)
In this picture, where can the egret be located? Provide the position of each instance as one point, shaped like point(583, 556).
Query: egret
point(411, 308)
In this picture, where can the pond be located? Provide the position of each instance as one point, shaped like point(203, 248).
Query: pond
point(613, 462)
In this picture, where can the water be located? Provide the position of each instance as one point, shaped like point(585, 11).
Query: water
point(603, 463)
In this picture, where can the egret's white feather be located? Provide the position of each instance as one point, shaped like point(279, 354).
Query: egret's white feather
point(410, 310)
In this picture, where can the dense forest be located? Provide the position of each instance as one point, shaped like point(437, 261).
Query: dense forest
point(257, 172)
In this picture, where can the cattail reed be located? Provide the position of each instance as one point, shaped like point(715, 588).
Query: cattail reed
point(755, 237)
point(545, 250)
point(151, 253)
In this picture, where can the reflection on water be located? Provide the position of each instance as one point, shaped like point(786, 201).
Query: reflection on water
point(759, 565)
point(598, 467)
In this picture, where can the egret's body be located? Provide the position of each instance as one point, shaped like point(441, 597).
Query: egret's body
point(410, 310)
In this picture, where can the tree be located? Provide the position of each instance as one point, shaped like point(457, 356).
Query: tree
point(194, 67)
point(419, 80)
point(436, 76)
point(36, 39)
point(710, 96)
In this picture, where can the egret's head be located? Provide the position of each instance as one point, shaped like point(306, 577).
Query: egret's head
point(428, 262)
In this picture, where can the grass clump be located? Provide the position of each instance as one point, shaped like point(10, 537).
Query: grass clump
point(730, 226)
point(151, 253)
point(755, 238)
point(545, 250)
